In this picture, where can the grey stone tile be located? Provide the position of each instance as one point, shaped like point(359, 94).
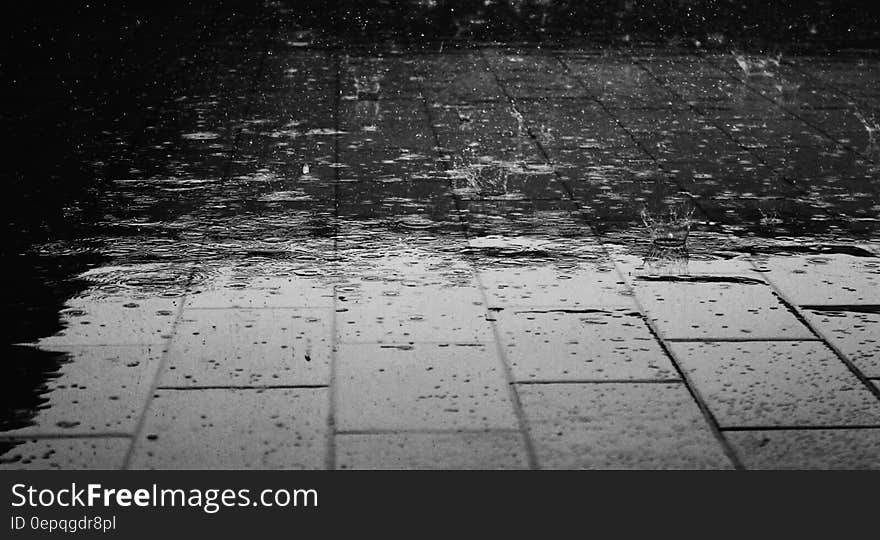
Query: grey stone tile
point(383, 76)
point(234, 429)
point(466, 86)
point(131, 321)
point(398, 123)
point(725, 308)
point(547, 285)
point(541, 221)
point(233, 289)
point(577, 124)
point(619, 426)
point(97, 390)
point(488, 180)
point(499, 248)
point(808, 449)
point(418, 259)
point(421, 386)
point(69, 454)
point(250, 347)
point(633, 267)
point(856, 334)
point(777, 384)
point(445, 451)
point(826, 279)
point(555, 344)
point(411, 311)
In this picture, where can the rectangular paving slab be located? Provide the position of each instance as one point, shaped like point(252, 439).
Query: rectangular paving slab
point(421, 386)
point(441, 451)
point(570, 286)
point(97, 390)
point(716, 307)
point(234, 429)
point(579, 124)
point(777, 384)
point(129, 321)
point(404, 258)
point(245, 288)
point(250, 347)
point(856, 334)
point(825, 279)
point(619, 426)
point(546, 220)
point(67, 454)
point(391, 123)
point(668, 264)
point(411, 311)
point(559, 344)
point(808, 449)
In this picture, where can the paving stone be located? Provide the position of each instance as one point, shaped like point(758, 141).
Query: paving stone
point(688, 154)
point(405, 259)
point(619, 83)
point(825, 279)
point(473, 85)
point(553, 223)
point(397, 123)
point(776, 384)
point(378, 77)
point(67, 454)
point(856, 334)
point(808, 449)
point(489, 130)
point(97, 390)
point(421, 386)
point(667, 264)
point(773, 214)
point(501, 249)
point(234, 429)
point(766, 130)
point(580, 124)
point(505, 181)
point(555, 285)
point(619, 426)
point(243, 289)
point(552, 86)
point(250, 347)
point(717, 307)
point(134, 321)
point(617, 201)
point(372, 192)
point(547, 344)
point(443, 451)
point(412, 311)
point(810, 162)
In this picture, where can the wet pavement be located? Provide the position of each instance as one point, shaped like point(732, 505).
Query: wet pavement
point(293, 253)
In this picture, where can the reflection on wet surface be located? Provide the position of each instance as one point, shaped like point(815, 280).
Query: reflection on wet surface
point(430, 233)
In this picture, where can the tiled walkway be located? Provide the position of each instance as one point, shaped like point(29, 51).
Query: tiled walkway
point(465, 288)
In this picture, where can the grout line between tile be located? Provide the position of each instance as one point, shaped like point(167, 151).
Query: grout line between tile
point(62, 435)
point(835, 427)
point(599, 381)
point(451, 431)
point(245, 387)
